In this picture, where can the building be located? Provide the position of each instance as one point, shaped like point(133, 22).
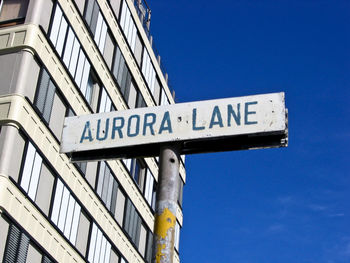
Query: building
point(62, 58)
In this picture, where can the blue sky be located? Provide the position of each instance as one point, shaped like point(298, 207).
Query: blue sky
point(273, 205)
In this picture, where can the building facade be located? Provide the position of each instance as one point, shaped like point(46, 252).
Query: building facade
point(62, 58)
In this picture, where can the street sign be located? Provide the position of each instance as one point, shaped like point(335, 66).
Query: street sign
point(257, 121)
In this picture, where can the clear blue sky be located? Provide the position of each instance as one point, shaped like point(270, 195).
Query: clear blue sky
point(289, 205)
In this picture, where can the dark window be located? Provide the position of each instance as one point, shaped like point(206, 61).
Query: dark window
point(137, 172)
point(96, 22)
point(17, 246)
point(12, 12)
point(107, 187)
point(50, 103)
point(149, 248)
point(82, 166)
point(45, 95)
point(132, 222)
point(180, 192)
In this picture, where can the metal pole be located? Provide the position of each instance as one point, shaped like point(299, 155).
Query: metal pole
point(167, 195)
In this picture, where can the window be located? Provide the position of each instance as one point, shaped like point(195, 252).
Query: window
point(115, 4)
point(81, 166)
point(108, 190)
point(13, 12)
point(59, 111)
point(132, 222)
point(164, 98)
point(37, 180)
point(58, 30)
point(106, 104)
point(142, 240)
point(148, 70)
point(109, 49)
point(140, 101)
point(100, 248)
point(157, 91)
point(69, 49)
point(138, 49)
point(107, 187)
point(177, 236)
point(143, 178)
point(121, 73)
point(90, 173)
point(45, 95)
point(149, 249)
point(19, 247)
point(31, 171)
point(116, 202)
point(130, 92)
point(80, 4)
point(180, 192)
point(50, 103)
point(137, 171)
point(128, 26)
point(96, 22)
point(70, 218)
point(92, 90)
point(65, 212)
point(45, 189)
point(33, 254)
point(150, 189)
point(83, 233)
point(114, 257)
point(120, 207)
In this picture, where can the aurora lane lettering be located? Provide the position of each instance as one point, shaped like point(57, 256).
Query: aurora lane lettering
point(204, 126)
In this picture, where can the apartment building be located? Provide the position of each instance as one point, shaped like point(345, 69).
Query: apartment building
point(62, 58)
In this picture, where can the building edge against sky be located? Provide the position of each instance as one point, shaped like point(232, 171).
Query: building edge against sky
point(63, 58)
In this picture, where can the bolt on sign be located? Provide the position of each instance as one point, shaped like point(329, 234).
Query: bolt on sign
point(258, 121)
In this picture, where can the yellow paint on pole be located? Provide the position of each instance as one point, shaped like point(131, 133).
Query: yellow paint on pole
point(159, 253)
point(166, 220)
point(165, 232)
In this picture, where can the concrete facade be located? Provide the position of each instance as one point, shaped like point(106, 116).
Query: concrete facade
point(65, 58)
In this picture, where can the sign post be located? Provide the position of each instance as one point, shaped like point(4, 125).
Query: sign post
point(166, 204)
point(240, 123)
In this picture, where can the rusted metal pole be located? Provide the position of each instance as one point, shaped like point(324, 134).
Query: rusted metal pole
point(166, 205)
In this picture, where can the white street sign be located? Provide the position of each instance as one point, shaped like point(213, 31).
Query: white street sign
point(205, 126)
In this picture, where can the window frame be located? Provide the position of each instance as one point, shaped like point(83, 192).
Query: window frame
point(1, 4)
point(11, 221)
point(82, 50)
point(56, 176)
point(58, 92)
point(111, 69)
point(86, 212)
point(13, 21)
point(125, 208)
